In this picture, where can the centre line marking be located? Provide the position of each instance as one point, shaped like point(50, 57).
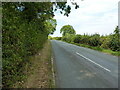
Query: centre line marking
point(93, 62)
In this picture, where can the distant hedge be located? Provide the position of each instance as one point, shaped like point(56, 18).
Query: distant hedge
point(111, 41)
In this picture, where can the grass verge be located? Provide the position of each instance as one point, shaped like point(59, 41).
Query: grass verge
point(38, 72)
point(108, 51)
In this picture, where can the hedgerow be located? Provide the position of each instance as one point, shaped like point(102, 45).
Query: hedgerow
point(21, 39)
point(111, 41)
point(25, 29)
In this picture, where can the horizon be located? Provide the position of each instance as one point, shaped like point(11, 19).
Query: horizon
point(102, 19)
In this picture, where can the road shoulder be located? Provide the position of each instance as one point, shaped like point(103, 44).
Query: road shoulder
point(39, 71)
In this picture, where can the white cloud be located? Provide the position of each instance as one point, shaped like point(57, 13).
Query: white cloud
point(93, 16)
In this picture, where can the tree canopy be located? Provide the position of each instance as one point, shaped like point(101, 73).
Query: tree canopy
point(51, 25)
point(67, 29)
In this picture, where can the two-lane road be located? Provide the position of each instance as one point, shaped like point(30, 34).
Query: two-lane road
point(79, 67)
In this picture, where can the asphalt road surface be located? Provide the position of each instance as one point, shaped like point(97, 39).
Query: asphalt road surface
point(79, 67)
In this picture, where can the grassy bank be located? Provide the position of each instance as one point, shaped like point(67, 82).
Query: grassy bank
point(38, 72)
point(116, 53)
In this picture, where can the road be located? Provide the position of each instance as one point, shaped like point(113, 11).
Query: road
point(79, 67)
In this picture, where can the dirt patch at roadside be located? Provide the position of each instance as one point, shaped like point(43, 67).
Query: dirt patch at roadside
point(39, 73)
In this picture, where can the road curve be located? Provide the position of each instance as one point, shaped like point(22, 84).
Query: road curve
point(79, 67)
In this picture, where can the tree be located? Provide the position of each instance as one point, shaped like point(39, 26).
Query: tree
point(68, 37)
point(67, 29)
point(65, 9)
point(51, 25)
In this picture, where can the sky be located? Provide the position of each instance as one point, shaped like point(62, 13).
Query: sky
point(92, 16)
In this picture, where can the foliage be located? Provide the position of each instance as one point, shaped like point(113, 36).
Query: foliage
point(114, 43)
point(105, 42)
point(49, 37)
point(26, 26)
point(68, 37)
point(67, 29)
point(95, 40)
point(85, 39)
point(21, 38)
point(56, 38)
point(111, 41)
point(115, 40)
point(65, 9)
point(108, 51)
point(51, 25)
point(77, 38)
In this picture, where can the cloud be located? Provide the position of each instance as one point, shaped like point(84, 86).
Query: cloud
point(93, 16)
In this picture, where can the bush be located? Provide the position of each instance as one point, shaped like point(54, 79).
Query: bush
point(21, 38)
point(94, 40)
point(57, 38)
point(105, 42)
point(68, 37)
point(77, 39)
point(85, 39)
point(49, 37)
point(114, 43)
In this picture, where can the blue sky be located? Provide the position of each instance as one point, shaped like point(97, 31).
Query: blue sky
point(93, 16)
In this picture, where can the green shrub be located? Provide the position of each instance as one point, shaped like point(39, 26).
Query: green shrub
point(114, 43)
point(57, 38)
point(68, 37)
point(94, 40)
point(77, 39)
point(21, 38)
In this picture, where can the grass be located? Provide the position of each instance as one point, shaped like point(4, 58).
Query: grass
point(38, 72)
point(108, 51)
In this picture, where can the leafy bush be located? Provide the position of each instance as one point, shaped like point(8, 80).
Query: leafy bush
point(94, 40)
point(105, 42)
point(21, 38)
point(85, 39)
point(49, 37)
point(111, 41)
point(114, 43)
point(68, 37)
point(57, 38)
point(77, 39)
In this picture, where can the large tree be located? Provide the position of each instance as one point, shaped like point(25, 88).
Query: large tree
point(67, 29)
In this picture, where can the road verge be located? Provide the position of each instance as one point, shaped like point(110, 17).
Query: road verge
point(107, 51)
point(39, 72)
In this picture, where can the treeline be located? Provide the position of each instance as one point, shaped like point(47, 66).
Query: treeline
point(25, 29)
point(111, 41)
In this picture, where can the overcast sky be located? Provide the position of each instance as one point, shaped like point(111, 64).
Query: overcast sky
point(93, 16)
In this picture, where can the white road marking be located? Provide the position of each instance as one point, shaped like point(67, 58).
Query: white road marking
point(93, 62)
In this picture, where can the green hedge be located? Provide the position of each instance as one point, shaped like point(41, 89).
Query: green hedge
point(20, 39)
point(111, 41)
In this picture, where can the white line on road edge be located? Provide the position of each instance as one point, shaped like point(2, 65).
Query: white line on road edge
point(93, 62)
